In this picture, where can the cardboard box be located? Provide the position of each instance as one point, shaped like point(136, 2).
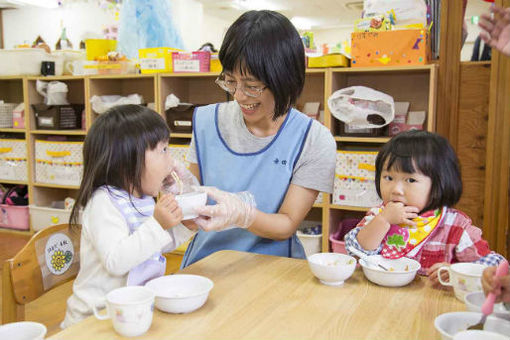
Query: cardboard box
point(390, 48)
point(198, 61)
point(156, 59)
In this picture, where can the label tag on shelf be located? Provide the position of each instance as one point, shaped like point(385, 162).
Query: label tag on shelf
point(152, 63)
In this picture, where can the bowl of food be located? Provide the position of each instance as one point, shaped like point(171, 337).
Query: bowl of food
point(449, 324)
point(475, 300)
point(189, 201)
point(180, 293)
point(479, 335)
point(400, 272)
point(332, 269)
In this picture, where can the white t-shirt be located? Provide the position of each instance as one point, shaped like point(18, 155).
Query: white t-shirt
point(108, 252)
point(315, 168)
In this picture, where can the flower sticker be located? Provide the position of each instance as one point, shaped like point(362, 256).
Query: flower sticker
point(59, 253)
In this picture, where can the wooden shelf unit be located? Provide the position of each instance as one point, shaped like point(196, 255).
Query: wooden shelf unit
point(414, 84)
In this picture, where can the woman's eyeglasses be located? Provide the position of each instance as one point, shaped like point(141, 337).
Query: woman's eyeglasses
point(231, 87)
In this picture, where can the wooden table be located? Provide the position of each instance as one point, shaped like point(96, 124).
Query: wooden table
point(266, 297)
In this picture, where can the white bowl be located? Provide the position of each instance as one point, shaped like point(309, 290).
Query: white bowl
point(332, 269)
point(24, 330)
point(475, 300)
point(479, 335)
point(189, 201)
point(180, 293)
point(402, 271)
point(449, 324)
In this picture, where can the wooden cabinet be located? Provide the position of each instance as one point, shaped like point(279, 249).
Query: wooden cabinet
point(414, 84)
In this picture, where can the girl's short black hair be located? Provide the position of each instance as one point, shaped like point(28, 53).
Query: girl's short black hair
point(432, 155)
point(267, 45)
point(114, 150)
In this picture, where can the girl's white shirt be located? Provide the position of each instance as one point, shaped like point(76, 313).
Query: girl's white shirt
point(108, 251)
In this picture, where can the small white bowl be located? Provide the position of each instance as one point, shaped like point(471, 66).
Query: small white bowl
point(402, 271)
point(180, 293)
point(449, 324)
point(479, 335)
point(189, 201)
point(24, 330)
point(332, 269)
point(475, 300)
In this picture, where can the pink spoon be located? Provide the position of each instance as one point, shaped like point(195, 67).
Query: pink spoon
point(488, 305)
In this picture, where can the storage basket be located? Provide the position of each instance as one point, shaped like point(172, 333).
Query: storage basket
point(14, 217)
point(344, 130)
point(13, 160)
point(58, 117)
point(180, 118)
point(58, 162)
point(354, 183)
point(336, 239)
point(42, 217)
point(6, 110)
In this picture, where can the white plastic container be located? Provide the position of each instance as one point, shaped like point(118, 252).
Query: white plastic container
point(42, 217)
point(311, 243)
point(27, 61)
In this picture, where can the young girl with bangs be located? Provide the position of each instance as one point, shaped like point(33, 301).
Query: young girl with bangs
point(124, 232)
point(418, 178)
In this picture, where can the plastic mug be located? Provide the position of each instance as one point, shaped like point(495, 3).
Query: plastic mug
point(130, 308)
point(464, 278)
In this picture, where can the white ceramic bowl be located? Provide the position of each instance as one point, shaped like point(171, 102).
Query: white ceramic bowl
point(332, 268)
point(402, 271)
point(24, 330)
point(475, 300)
point(180, 293)
point(479, 335)
point(449, 324)
point(189, 201)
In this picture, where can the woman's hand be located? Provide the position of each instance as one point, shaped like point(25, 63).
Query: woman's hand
point(230, 210)
point(496, 29)
point(167, 212)
point(398, 213)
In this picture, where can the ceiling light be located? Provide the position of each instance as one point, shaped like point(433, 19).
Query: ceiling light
point(301, 23)
point(256, 5)
point(36, 3)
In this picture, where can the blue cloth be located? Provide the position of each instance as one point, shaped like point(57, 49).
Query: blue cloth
point(146, 23)
point(266, 174)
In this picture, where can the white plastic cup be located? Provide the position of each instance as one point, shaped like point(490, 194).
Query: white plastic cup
point(130, 308)
point(464, 278)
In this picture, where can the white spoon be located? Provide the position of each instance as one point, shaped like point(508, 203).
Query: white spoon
point(366, 258)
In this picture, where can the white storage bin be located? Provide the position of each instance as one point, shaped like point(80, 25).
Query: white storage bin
point(42, 217)
point(58, 162)
point(13, 160)
point(27, 61)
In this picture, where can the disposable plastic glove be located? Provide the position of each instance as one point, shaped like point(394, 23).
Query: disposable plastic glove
point(186, 177)
point(231, 210)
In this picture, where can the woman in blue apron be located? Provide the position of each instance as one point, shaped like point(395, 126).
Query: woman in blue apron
point(261, 161)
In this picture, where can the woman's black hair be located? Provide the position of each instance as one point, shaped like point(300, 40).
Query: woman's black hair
point(428, 153)
point(266, 45)
point(114, 151)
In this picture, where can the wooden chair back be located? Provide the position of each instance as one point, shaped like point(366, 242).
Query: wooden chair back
point(48, 260)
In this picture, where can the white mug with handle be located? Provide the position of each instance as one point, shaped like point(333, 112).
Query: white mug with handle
point(130, 308)
point(464, 278)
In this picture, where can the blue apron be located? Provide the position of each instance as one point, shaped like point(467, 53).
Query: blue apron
point(266, 174)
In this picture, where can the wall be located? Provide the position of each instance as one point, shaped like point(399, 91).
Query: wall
point(87, 20)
